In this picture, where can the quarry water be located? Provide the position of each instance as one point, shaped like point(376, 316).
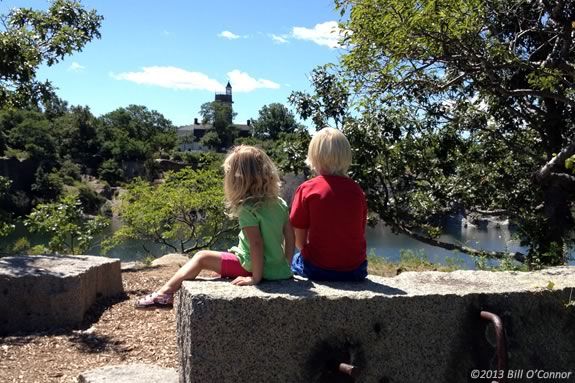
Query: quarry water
point(381, 242)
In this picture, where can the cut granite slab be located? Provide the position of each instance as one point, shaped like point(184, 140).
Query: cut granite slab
point(130, 373)
point(43, 292)
point(416, 327)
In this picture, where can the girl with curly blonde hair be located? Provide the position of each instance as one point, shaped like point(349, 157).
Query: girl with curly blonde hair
point(266, 240)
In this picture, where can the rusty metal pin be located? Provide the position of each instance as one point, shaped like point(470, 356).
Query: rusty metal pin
point(348, 369)
point(500, 348)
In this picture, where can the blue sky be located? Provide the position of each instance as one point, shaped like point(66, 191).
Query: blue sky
point(172, 56)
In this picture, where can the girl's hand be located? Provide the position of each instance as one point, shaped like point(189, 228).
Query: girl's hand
point(244, 281)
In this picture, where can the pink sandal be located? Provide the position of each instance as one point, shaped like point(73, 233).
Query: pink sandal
point(155, 300)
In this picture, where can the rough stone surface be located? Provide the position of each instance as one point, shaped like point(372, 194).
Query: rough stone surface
point(171, 259)
point(41, 292)
point(416, 327)
point(130, 373)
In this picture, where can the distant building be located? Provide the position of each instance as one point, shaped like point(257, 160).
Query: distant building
point(197, 130)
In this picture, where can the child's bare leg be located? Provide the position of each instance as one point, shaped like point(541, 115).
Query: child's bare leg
point(202, 260)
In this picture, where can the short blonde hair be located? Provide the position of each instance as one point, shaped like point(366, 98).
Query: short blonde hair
point(329, 153)
point(249, 176)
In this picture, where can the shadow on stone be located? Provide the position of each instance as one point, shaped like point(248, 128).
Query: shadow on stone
point(305, 288)
point(29, 265)
point(366, 285)
point(89, 341)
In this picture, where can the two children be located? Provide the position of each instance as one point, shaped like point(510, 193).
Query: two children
point(329, 214)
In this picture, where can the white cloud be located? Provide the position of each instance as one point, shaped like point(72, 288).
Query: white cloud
point(177, 78)
point(75, 67)
point(172, 78)
point(326, 34)
point(243, 82)
point(279, 39)
point(228, 35)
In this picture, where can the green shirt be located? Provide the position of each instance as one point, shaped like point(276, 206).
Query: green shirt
point(270, 217)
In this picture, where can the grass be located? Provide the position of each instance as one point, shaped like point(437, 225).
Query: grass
point(409, 260)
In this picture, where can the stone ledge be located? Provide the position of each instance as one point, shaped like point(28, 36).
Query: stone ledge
point(130, 373)
point(412, 328)
point(41, 292)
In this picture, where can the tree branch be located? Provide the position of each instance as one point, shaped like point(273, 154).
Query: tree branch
point(566, 181)
point(558, 160)
point(519, 257)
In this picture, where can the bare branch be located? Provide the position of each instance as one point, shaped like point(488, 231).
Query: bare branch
point(558, 160)
point(519, 257)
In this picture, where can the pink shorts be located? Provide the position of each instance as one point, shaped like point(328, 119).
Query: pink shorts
point(231, 266)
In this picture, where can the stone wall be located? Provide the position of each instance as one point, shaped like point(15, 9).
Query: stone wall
point(416, 327)
point(21, 173)
point(41, 292)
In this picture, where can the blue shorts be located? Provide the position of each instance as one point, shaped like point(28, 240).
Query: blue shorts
point(301, 267)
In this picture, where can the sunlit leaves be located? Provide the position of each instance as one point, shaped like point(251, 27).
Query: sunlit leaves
point(70, 230)
point(31, 37)
point(185, 212)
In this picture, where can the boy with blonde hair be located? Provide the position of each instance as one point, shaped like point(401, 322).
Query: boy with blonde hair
point(329, 214)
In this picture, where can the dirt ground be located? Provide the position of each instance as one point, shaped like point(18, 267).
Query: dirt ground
point(112, 333)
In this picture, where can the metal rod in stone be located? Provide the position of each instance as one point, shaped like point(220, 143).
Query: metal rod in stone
point(348, 369)
point(500, 348)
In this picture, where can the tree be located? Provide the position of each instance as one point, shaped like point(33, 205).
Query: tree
point(462, 106)
point(185, 213)
point(329, 105)
point(30, 133)
point(77, 132)
point(29, 38)
point(220, 115)
point(71, 232)
point(6, 225)
point(135, 133)
point(274, 119)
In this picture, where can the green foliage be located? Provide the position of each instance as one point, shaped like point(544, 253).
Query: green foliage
point(274, 119)
point(329, 103)
point(39, 250)
point(458, 106)
point(90, 200)
point(71, 232)
point(21, 246)
point(212, 140)
point(6, 226)
point(48, 185)
point(111, 172)
point(201, 160)
point(30, 38)
point(77, 131)
point(570, 164)
point(220, 115)
point(409, 260)
point(135, 133)
point(69, 172)
point(186, 212)
point(29, 132)
point(290, 151)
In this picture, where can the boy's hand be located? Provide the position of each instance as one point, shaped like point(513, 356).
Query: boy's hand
point(244, 281)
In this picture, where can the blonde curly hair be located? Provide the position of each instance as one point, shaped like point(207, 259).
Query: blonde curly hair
point(250, 176)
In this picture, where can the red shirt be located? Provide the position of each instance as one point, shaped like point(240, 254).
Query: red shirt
point(334, 212)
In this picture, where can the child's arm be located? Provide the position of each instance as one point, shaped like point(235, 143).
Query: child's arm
point(257, 255)
point(289, 241)
point(300, 238)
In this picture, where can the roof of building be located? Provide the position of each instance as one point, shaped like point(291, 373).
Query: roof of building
point(190, 128)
